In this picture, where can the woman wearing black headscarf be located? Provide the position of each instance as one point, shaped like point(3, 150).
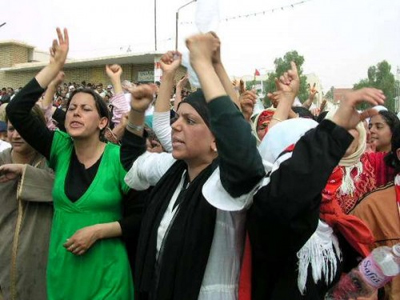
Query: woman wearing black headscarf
point(188, 249)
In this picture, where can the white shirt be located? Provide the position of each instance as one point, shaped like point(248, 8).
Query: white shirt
point(221, 277)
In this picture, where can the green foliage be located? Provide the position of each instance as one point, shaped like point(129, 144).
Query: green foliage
point(329, 94)
point(380, 77)
point(281, 66)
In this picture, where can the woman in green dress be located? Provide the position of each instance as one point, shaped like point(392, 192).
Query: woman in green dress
point(87, 260)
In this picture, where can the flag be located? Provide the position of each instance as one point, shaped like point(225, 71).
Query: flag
point(256, 73)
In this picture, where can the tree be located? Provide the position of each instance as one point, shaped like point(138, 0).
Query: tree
point(281, 66)
point(329, 94)
point(380, 77)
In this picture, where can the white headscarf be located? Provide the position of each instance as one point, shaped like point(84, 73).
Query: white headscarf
point(353, 160)
point(319, 251)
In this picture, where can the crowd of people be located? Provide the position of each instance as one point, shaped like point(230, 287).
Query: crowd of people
point(153, 191)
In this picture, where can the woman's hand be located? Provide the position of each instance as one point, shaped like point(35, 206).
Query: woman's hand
point(142, 97)
point(347, 115)
point(203, 48)
point(82, 240)
point(170, 62)
point(183, 82)
point(58, 80)
point(59, 49)
point(247, 101)
point(287, 86)
point(114, 72)
point(10, 172)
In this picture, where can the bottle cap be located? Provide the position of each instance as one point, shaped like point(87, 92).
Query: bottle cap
point(396, 249)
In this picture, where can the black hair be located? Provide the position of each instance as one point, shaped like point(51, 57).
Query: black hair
point(391, 159)
point(390, 118)
point(101, 106)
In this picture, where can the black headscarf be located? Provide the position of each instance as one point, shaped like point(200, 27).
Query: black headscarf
point(178, 271)
point(198, 102)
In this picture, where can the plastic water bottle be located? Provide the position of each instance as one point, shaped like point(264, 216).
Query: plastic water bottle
point(372, 273)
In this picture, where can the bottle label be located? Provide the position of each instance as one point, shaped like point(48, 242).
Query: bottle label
point(372, 273)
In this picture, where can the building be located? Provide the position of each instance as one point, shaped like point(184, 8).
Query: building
point(312, 79)
point(20, 62)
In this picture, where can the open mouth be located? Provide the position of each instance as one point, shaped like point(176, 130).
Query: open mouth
point(75, 124)
point(177, 142)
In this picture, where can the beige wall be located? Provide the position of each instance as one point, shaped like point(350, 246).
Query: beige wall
point(11, 54)
point(15, 79)
point(94, 75)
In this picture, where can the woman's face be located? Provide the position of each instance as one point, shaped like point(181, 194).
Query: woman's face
point(17, 142)
point(381, 134)
point(82, 119)
point(192, 140)
point(262, 130)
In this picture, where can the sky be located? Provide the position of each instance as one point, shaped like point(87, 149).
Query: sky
point(339, 39)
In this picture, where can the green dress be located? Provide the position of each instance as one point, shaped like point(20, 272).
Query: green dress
point(103, 272)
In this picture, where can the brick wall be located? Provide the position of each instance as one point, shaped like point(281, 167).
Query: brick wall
point(94, 75)
point(16, 79)
point(11, 54)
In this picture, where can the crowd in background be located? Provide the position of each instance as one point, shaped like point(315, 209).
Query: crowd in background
point(163, 191)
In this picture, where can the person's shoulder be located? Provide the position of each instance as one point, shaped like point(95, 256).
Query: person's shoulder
point(112, 146)
point(377, 198)
point(112, 150)
point(61, 136)
point(61, 141)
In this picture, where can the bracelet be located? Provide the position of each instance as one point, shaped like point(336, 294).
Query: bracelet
point(134, 127)
point(276, 119)
point(138, 111)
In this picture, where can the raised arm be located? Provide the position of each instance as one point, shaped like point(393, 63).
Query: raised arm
point(247, 101)
point(51, 90)
point(170, 63)
point(47, 104)
point(312, 92)
point(291, 200)
point(179, 88)
point(133, 143)
point(118, 101)
point(58, 56)
point(287, 88)
point(30, 128)
point(223, 75)
point(240, 163)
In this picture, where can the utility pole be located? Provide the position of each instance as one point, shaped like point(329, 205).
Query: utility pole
point(155, 25)
point(397, 90)
point(177, 21)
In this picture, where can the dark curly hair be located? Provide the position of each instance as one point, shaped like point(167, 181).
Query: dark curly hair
point(101, 107)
